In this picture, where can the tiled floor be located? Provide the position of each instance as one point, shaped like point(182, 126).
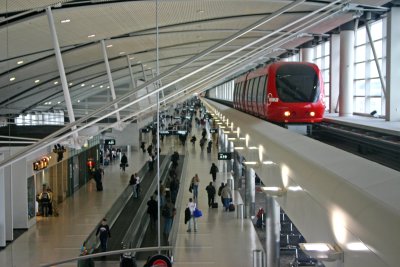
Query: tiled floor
point(222, 239)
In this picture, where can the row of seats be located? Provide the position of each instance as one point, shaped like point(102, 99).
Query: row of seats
point(290, 238)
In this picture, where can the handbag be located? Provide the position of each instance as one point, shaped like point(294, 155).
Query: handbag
point(197, 213)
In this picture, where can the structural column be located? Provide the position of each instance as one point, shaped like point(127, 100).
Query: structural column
point(61, 70)
point(346, 69)
point(334, 69)
point(272, 232)
point(307, 52)
point(110, 80)
point(392, 69)
point(250, 192)
point(3, 223)
point(130, 72)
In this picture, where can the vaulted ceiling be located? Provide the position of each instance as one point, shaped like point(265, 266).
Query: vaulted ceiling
point(30, 80)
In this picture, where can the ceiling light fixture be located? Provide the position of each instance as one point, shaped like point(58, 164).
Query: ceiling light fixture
point(37, 81)
point(65, 21)
point(59, 102)
point(12, 79)
point(200, 11)
point(91, 36)
point(20, 62)
point(82, 84)
point(56, 82)
point(70, 84)
point(131, 58)
point(101, 86)
point(92, 85)
point(79, 101)
point(110, 45)
point(121, 53)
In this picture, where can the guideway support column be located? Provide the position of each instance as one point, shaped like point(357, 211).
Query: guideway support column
point(272, 229)
point(250, 192)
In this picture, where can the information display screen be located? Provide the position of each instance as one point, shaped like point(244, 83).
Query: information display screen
point(224, 155)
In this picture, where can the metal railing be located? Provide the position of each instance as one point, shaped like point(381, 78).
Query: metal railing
point(114, 252)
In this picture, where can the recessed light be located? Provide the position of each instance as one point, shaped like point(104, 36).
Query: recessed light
point(56, 82)
point(59, 102)
point(144, 65)
point(65, 21)
point(108, 86)
point(121, 53)
point(49, 103)
point(92, 85)
point(79, 101)
point(70, 84)
point(131, 58)
point(37, 81)
point(200, 11)
point(109, 45)
point(20, 62)
point(91, 36)
point(82, 84)
point(101, 86)
point(12, 79)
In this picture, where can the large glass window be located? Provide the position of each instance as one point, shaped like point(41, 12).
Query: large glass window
point(322, 59)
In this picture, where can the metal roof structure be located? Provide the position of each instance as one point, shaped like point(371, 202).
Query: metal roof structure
point(30, 80)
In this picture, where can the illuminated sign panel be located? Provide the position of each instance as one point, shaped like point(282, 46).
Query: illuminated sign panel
point(224, 155)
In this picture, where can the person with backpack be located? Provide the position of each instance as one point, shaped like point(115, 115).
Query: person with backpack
point(226, 195)
point(220, 191)
point(213, 171)
point(168, 212)
point(45, 201)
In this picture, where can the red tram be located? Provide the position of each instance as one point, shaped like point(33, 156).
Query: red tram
point(282, 92)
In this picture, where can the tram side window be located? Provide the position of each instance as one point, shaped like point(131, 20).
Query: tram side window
point(240, 94)
point(249, 90)
point(261, 91)
point(255, 89)
point(235, 89)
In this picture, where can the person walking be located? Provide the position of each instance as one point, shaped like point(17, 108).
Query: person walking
point(220, 191)
point(192, 206)
point(124, 162)
point(213, 171)
point(210, 194)
point(226, 195)
point(137, 185)
point(195, 186)
point(104, 231)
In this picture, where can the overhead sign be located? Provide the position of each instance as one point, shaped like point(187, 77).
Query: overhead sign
point(224, 155)
point(213, 130)
point(109, 142)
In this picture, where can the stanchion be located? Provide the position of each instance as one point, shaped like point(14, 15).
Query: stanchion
point(258, 258)
point(240, 211)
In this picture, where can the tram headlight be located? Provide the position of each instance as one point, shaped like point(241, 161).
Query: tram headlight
point(286, 113)
point(312, 113)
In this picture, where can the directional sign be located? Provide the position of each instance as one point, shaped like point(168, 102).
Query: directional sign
point(214, 130)
point(109, 142)
point(224, 155)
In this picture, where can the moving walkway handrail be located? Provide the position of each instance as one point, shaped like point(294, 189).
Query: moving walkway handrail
point(141, 220)
point(115, 210)
point(179, 198)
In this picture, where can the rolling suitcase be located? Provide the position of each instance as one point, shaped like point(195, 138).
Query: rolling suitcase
point(231, 207)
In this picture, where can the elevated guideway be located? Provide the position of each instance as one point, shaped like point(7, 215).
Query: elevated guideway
point(344, 199)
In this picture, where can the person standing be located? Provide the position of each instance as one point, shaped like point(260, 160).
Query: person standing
point(220, 191)
point(195, 186)
point(211, 194)
point(45, 201)
point(98, 175)
point(137, 185)
point(151, 162)
point(213, 171)
point(191, 206)
point(104, 231)
point(168, 212)
point(152, 211)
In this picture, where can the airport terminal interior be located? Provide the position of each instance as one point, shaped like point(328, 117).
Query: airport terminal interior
point(199, 133)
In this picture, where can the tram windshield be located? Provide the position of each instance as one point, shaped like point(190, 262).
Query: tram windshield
point(297, 83)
